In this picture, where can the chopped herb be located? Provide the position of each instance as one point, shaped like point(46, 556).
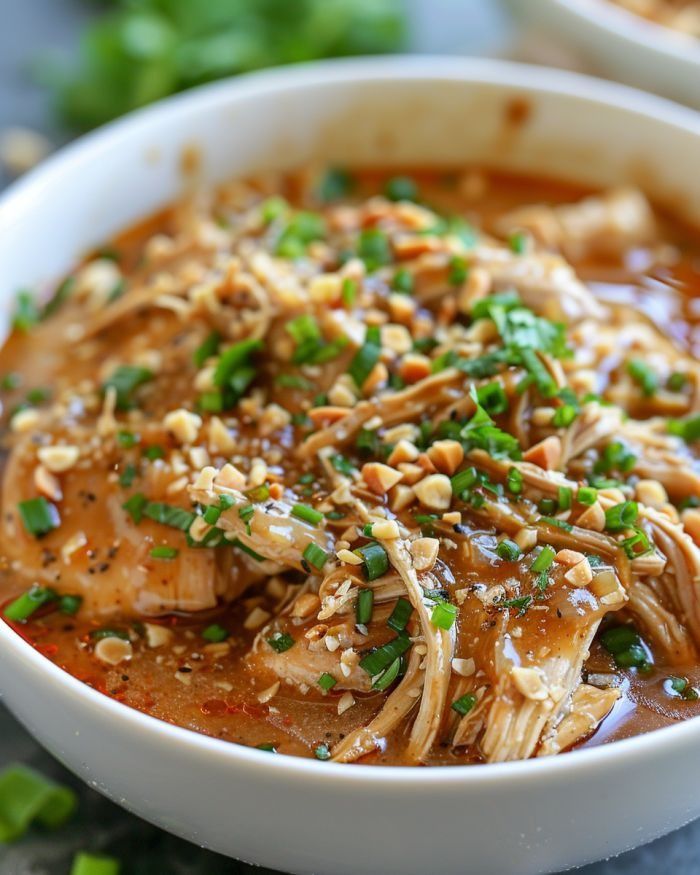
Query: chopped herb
point(565, 497)
point(373, 248)
point(108, 632)
point(680, 688)
point(636, 545)
point(387, 677)
point(403, 281)
point(273, 208)
point(676, 382)
point(458, 271)
point(543, 560)
point(644, 376)
point(380, 658)
point(375, 561)
point(215, 633)
point(553, 521)
point(626, 646)
point(38, 395)
point(519, 604)
point(514, 481)
point(212, 513)
point(280, 642)
point(401, 188)
point(10, 381)
point(27, 797)
point(135, 505)
point(303, 228)
point(366, 357)
point(91, 864)
point(444, 615)
point(587, 495)
point(307, 514)
point(322, 752)
point(564, 416)
point(493, 398)
point(688, 429)
point(26, 314)
point(348, 292)
point(342, 465)
point(615, 457)
point(125, 380)
point(621, 516)
point(335, 184)
point(234, 372)
point(70, 604)
point(162, 551)
point(315, 556)
point(400, 615)
point(364, 607)
point(60, 296)
point(464, 704)
point(38, 516)
point(268, 747)
point(169, 515)
point(153, 452)
point(127, 439)
point(30, 601)
point(517, 242)
point(207, 349)
point(326, 682)
point(508, 550)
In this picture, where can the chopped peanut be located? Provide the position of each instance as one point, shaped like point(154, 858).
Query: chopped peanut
point(434, 491)
point(380, 478)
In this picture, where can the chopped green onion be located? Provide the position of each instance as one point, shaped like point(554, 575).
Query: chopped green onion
point(587, 495)
point(636, 545)
point(626, 646)
point(90, 864)
point(517, 242)
point(26, 314)
point(380, 658)
point(543, 560)
point(565, 497)
point(364, 607)
point(135, 506)
point(38, 516)
point(615, 457)
point(342, 465)
point(168, 515)
point(444, 615)
point(688, 429)
point(564, 416)
point(215, 633)
point(493, 398)
point(125, 380)
point(10, 381)
point(464, 704)
point(153, 452)
point(373, 248)
point(458, 271)
point(322, 752)
point(375, 561)
point(107, 632)
point(676, 381)
point(306, 513)
point(326, 682)
point(280, 642)
point(400, 615)
point(162, 551)
point(273, 208)
point(508, 550)
point(520, 604)
point(303, 228)
point(127, 439)
point(335, 184)
point(315, 556)
point(366, 356)
point(348, 292)
point(212, 513)
point(403, 281)
point(401, 188)
point(514, 481)
point(547, 506)
point(27, 797)
point(464, 480)
point(70, 604)
point(207, 349)
point(267, 746)
point(387, 677)
point(235, 360)
point(25, 605)
point(553, 521)
point(621, 516)
point(644, 376)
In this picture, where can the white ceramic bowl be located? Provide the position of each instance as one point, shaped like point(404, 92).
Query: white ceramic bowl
point(623, 45)
point(300, 815)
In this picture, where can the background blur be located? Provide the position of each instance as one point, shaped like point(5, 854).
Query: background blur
point(43, 103)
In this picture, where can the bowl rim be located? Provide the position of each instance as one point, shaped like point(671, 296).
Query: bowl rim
point(665, 42)
point(24, 193)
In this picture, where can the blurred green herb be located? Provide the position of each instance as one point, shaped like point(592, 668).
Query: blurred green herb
point(141, 50)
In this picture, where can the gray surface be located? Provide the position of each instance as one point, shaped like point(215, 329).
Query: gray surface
point(27, 29)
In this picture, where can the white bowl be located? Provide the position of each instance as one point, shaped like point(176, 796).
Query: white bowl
point(301, 815)
point(623, 45)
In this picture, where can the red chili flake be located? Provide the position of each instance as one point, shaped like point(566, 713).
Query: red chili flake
point(214, 707)
point(47, 649)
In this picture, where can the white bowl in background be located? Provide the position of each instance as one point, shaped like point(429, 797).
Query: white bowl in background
point(622, 45)
point(317, 817)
